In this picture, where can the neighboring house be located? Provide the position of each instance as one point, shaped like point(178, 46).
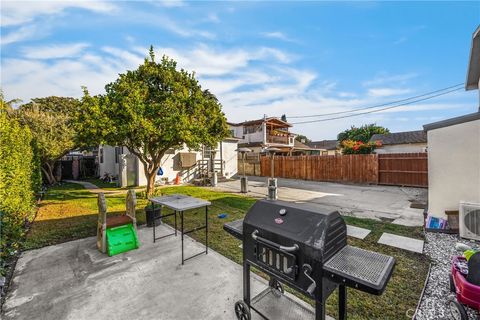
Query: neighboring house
point(189, 164)
point(401, 142)
point(268, 132)
point(454, 151)
point(325, 147)
point(78, 165)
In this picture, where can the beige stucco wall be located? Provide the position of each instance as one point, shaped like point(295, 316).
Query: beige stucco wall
point(402, 148)
point(453, 167)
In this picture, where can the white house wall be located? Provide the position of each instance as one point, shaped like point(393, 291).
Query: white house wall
point(229, 154)
point(403, 148)
point(453, 166)
point(230, 157)
point(108, 165)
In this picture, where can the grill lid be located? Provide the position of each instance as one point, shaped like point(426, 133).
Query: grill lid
point(321, 233)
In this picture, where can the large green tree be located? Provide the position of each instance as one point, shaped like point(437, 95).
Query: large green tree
point(150, 110)
point(302, 138)
point(51, 122)
point(363, 134)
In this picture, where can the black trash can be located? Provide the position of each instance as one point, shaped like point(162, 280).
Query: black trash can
point(153, 213)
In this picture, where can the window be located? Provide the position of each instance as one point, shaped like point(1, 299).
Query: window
point(118, 151)
point(100, 152)
point(207, 152)
point(232, 133)
point(252, 129)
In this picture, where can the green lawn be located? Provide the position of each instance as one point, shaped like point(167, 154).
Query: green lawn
point(103, 185)
point(70, 212)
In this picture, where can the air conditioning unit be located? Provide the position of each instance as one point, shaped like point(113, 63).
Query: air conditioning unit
point(470, 220)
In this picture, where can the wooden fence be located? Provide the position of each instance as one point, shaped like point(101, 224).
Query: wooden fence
point(408, 169)
point(404, 169)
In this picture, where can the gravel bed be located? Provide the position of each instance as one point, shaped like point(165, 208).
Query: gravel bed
point(440, 248)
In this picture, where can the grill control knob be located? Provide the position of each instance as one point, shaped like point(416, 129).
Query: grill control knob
point(283, 211)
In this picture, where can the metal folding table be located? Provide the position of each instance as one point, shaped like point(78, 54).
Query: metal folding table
point(180, 203)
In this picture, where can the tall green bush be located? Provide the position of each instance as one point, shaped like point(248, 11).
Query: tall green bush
point(19, 179)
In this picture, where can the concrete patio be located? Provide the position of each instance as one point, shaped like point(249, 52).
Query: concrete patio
point(364, 201)
point(74, 280)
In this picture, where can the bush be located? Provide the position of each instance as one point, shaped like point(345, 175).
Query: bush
point(19, 179)
point(358, 147)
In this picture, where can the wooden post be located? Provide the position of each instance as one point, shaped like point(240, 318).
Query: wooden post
point(102, 223)
point(130, 204)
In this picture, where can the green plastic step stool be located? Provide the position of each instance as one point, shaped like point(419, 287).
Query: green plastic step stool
point(121, 239)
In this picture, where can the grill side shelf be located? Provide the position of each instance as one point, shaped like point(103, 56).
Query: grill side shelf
point(235, 228)
point(360, 269)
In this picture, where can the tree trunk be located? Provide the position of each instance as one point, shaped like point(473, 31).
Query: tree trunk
point(150, 184)
point(47, 169)
point(150, 173)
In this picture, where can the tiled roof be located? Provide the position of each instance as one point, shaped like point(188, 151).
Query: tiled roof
point(301, 146)
point(418, 136)
point(324, 144)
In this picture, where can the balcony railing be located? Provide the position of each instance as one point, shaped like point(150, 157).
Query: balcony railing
point(277, 139)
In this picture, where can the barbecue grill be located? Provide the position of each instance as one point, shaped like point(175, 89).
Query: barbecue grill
point(306, 250)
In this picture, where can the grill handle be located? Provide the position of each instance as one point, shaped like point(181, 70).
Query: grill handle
point(256, 237)
point(307, 270)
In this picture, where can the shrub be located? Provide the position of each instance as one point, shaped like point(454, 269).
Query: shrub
point(19, 179)
point(358, 147)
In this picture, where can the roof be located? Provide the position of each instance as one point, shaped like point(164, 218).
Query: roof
point(418, 136)
point(473, 72)
point(233, 139)
point(275, 120)
point(301, 146)
point(324, 144)
point(452, 121)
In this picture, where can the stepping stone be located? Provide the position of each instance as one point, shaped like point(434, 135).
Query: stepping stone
point(357, 232)
point(404, 243)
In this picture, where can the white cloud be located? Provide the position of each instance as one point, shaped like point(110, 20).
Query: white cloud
point(277, 35)
point(213, 17)
point(20, 12)
point(386, 79)
point(171, 3)
point(20, 34)
point(387, 92)
point(246, 88)
point(54, 51)
point(400, 40)
point(208, 61)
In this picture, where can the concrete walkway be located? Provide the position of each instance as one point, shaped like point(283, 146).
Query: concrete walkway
point(405, 243)
point(364, 201)
point(75, 281)
point(95, 189)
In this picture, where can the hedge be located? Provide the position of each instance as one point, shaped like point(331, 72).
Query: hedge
point(20, 179)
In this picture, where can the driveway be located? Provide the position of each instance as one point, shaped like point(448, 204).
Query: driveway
point(365, 201)
point(73, 280)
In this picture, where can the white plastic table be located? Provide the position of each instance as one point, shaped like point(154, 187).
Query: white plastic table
point(180, 203)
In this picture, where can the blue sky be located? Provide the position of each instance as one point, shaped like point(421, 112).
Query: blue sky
point(297, 58)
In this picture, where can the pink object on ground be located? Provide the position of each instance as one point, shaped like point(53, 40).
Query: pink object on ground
point(466, 293)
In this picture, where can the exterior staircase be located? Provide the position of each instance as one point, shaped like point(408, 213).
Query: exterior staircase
point(201, 173)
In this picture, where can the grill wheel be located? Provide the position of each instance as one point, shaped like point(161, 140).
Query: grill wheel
point(276, 286)
point(242, 311)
